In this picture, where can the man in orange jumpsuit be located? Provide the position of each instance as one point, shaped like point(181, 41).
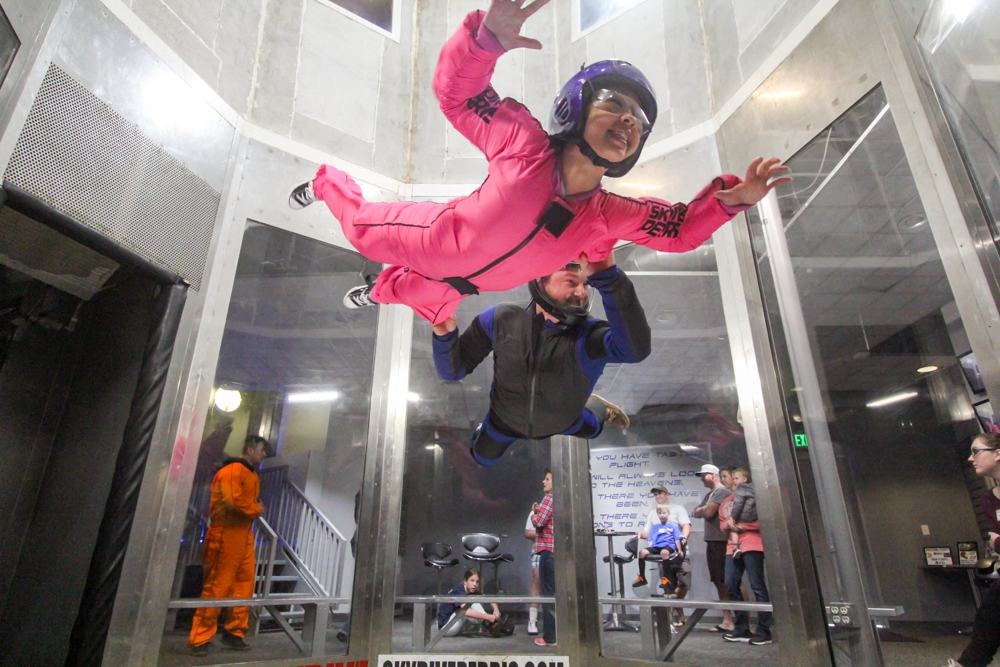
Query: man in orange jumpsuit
point(229, 556)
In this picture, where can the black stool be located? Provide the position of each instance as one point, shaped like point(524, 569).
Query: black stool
point(632, 546)
point(436, 555)
point(616, 623)
point(485, 548)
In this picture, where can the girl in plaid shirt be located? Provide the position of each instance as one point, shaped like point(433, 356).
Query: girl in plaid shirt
point(541, 519)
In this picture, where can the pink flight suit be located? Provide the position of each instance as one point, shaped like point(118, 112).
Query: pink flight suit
point(516, 226)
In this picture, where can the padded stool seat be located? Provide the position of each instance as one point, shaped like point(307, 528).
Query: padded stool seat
point(436, 555)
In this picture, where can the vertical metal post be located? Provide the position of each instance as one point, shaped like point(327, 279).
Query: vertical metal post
point(863, 645)
point(382, 489)
point(792, 580)
point(578, 612)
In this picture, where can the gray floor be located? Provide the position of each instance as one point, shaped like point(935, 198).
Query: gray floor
point(930, 646)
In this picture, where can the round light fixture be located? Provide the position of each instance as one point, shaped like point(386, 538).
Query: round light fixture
point(667, 317)
point(927, 369)
point(912, 221)
point(227, 400)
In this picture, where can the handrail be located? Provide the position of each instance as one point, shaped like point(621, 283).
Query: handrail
point(313, 544)
point(308, 503)
point(271, 550)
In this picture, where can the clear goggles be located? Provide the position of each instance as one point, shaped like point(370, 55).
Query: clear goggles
point(619, 103)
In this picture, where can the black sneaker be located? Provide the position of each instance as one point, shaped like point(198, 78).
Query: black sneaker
point(760, 640)
point(744, 636)
point(359, 297)
point(234, 643)
point(302, 196)
point(201, 649)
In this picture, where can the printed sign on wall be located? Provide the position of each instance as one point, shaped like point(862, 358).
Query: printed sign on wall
point(622, 479)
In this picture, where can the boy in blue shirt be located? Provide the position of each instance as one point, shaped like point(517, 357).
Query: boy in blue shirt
point(666, 540)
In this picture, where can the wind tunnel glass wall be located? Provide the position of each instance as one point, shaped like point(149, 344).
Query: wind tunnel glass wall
point(962, 56)
point(683, 407)
point(447, 495)
point(853, 252)
point(295, 367)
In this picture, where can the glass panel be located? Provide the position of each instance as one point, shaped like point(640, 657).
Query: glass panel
point(9, 44)
point(447, 495)
point(295, 368)
point(961, 45)
point(683, 407)
point(853, 281)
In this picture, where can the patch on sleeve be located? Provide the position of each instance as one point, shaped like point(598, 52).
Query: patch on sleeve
point(664, 220)
point(485, 104)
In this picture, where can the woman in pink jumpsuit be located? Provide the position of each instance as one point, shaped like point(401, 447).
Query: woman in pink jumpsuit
point(523, 221)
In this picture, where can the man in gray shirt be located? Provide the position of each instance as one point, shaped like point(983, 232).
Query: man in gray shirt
point(715, 539)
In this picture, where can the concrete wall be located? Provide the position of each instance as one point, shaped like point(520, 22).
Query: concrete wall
point(741, 34)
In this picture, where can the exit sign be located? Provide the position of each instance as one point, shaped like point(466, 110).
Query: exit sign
point(800, 440)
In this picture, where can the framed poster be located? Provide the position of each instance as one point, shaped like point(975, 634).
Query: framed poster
point(987, 418)
point(972, 374)
point(938, 556)
point(968, 553)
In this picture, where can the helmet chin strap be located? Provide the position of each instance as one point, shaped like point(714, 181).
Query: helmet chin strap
point(590, 153)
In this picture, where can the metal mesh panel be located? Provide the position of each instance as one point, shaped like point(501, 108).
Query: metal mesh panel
point(79, 156)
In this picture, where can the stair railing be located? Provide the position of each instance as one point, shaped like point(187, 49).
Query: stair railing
point(313, 544)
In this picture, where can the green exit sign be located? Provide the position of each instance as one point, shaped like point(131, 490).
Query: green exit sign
point(800, 440)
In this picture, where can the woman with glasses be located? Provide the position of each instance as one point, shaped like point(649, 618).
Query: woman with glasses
point(985, 458)
point(542, 205)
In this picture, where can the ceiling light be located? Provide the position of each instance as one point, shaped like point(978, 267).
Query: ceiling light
point(961, 9)
point(432, 446)
point(780, 94)
point(797, 419)
point(667, 317)
point(796, 388)
point(227, 400)
point(689, 448)
point(927, 369)
point(912, 221)
point(895, 398)
point(413, 397)
point(313, 396)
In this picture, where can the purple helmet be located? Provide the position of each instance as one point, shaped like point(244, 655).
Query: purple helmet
point(569, 108)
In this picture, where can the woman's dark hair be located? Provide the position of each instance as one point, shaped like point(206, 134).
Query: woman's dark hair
point(991, 440)
point(469, 574)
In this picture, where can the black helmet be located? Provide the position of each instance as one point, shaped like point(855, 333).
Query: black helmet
point(568, 315)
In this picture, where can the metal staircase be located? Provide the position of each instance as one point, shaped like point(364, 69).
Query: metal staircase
point(300, 556)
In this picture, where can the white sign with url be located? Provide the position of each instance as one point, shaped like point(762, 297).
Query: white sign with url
point(438, 660)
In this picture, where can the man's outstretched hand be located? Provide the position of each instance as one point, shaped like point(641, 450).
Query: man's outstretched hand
point(447, 326)
point(505, 18)
point(756, 185)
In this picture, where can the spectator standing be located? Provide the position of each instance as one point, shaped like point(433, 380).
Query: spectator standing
point(229, 557)
point(715, 539)
point(752, 562)
point(744, 507)
point(985, 458)
point(541, 519)
point(536, 582)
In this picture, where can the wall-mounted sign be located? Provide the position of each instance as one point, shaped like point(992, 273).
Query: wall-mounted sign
point(800, 440)
point(938, 556)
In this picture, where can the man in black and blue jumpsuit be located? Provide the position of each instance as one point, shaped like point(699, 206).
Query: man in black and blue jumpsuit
point(548, 357)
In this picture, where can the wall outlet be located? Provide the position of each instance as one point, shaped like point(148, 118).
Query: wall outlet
point(925, 529)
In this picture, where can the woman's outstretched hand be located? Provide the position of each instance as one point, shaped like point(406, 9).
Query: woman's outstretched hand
point(505, 18)
point(757, 183)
